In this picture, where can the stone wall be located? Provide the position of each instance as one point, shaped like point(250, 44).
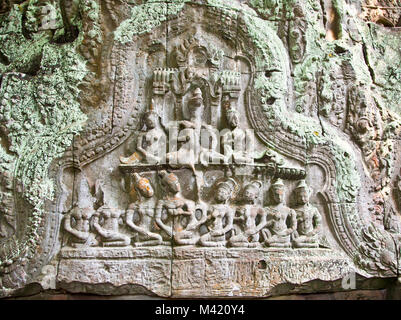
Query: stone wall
point(205, 148)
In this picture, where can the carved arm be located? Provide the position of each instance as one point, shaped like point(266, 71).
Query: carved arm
point(293, 222)
point(158, 218)
point(263, 221)
point(131, 224)
point(67, 226)
point(317, 222)
point(230, 223)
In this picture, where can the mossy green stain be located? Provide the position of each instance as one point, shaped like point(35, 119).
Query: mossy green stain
point(41, 113)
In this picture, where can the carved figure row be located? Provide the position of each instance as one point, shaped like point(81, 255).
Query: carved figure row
point(186, 222)
point(197, 141)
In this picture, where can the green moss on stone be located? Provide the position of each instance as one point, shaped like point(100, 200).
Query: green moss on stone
point(40, 113)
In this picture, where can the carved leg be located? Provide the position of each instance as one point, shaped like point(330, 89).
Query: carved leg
point(209, 241)
point(305, 242)
point(90, 241)
point(151, 239)
point(134, 158)
point(213, 244)
point(254, 245)
point(278, 245)
point(266, 236)
point(117, 241)
point(150, 243)
point(78, 245)
point(239, 244)
point(186, 238)
point(278, 242)
point(238, 241)
point(306, 245)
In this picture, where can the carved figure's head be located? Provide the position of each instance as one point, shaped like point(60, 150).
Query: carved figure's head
point(196, 100)
point(363, 125)
point(277, 191)
point(143, 186)
point(251, 191)
point(82, 213)
point(302, 192)
point(225, 190)
point(232, 117)
point(170, 180)
point(105, 212)
point(150, 119)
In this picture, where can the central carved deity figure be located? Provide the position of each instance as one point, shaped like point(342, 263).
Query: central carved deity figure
point(237, 143)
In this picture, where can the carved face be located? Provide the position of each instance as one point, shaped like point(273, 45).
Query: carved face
point(150, 120)
point(302, 195)
point(105, 212)
point(296, 50)
point(363, 125)
point(250, 193)
point(278, 195)
point(196, 101)
point(233, 119)
point(172, 183)
point(222, 194)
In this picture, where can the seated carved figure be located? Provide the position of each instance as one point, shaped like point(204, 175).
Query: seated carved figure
point(236, 142)
point(106, 222)
point(189, 137)
point(151, 144)
point(77, 223)
point(180, 224)
point(193, 140)
point(145, 210)
point(281, 220)
point(308, 218)
point(220, 215)
point(251, 220)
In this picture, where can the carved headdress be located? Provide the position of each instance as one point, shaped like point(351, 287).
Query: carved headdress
point(277, 184)
point(229, 184)
point(302, 184)
point(256, 185)
point(168, 177)
point(151, 111)
point(231, 111)
point(143, 185)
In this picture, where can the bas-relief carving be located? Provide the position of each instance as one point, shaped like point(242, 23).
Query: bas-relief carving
point(200, 104)
point(174, 182)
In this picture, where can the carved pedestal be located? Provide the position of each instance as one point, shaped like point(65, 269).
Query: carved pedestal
point(198, 272)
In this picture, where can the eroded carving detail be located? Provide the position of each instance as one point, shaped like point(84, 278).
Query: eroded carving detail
point(223, 189)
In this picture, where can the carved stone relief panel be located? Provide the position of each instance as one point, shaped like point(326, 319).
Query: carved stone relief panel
point(209, 154)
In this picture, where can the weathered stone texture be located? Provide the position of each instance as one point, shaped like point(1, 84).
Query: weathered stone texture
point(202, 148)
